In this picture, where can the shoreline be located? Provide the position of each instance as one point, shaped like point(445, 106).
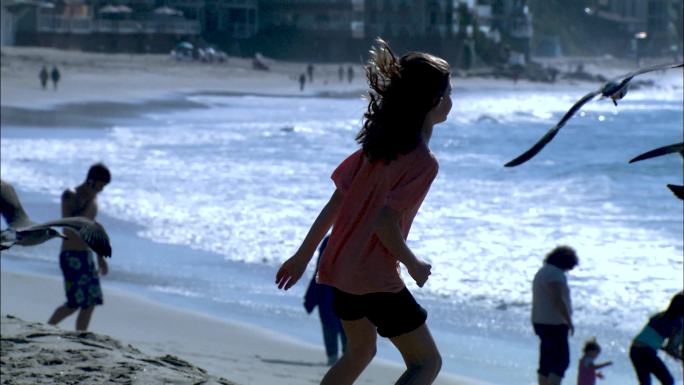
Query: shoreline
point(233, 350)
point(127, 78)
point(97, 88)
point(267, 308)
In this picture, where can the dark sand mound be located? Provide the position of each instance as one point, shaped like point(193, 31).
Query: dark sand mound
point(33, 353)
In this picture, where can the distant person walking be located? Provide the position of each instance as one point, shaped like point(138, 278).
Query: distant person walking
point(350, 74)
point(587, 370)
point(81, 278)
point(43, 76)
point(302, 81)
point(379, 189)
point(322, 296)
point(55, 75)
point(663, 331)
point(310, 72)
point(552, 314)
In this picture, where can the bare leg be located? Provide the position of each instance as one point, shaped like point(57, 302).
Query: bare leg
point(543, 380)
point(554, 379)
point(60, 314)
point(83, 318)
point(361, 337)
point(421, 356)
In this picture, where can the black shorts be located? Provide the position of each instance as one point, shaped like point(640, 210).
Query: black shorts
point(554, 352)
point(393, 314)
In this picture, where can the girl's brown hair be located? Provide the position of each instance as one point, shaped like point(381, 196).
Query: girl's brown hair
point(401, 94)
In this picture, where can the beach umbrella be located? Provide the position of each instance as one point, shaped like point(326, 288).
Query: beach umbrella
point(115, 9)
point(109, 9)
point(167, 11)
point(37, 3)
point(184, 45)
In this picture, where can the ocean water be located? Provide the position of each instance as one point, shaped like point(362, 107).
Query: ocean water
point(207, 201)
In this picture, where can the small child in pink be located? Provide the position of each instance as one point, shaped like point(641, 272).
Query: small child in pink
point(588, 370)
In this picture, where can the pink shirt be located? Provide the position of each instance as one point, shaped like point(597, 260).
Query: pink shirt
point(355, 261)
point(586, 373)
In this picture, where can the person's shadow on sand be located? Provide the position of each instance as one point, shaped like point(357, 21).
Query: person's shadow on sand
point(289, 362)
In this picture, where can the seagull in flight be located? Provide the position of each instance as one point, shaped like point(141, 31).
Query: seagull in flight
point(677, 190)
point(677, 147)
point(25, 232)
point(614, 89)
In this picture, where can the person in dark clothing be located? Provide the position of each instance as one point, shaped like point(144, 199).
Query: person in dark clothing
point(666, 325)
point(310, 71)
point(350, 74)
point(55, 77)
point(302, 81)
point(552, 314)
point(43, 75)
point(322, 296)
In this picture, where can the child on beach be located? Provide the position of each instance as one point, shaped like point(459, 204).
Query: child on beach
point(379, 190)
point(587, 369)
point(666, 325)
point(81, 281)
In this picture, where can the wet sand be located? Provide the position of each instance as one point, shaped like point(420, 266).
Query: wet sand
point(138, 341)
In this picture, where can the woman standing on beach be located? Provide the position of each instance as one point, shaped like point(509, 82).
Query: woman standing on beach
point(379, 189)
point(552, 314)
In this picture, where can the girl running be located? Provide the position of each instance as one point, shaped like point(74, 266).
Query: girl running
point(379, 189)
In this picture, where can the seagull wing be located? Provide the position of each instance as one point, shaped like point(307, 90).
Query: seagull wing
point(529, 154)
point(628, 76)
point(678, 147)
point(92, 233)
point(11, 207)
point(677, 190)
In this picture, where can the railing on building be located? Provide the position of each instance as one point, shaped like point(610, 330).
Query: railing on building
point(60, 24)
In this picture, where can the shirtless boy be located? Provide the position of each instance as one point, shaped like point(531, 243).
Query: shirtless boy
point(81, 278)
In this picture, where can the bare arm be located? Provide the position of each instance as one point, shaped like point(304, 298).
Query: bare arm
point(68, 208)
point(67, 204)
point(674, 345)
point(293, 268)
point(102, 265)
point(389, 233)
point(602, 365)
point(556, 289)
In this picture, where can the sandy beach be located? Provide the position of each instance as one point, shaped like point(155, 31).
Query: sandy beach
point(125, 78)
point(149, 343)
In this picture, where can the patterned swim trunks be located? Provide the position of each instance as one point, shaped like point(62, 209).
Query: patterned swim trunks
point(81, 282)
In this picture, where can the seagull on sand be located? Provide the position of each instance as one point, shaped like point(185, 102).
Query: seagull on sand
point(614, 89)
point(25, 232)
point(677, 190)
